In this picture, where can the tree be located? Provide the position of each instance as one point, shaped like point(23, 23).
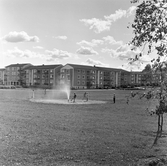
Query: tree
point(150, 34)
point(147, 78)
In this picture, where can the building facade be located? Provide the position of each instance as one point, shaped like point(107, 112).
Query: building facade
point(85, 77)
point(75, 76)
point(15, 74)
point(136, 78)
point(44, 76)
point(2, 76)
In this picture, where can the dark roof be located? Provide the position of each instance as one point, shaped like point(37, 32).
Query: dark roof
point(96, 67)
point(18, 65)
point(108, 68)
point(44, 66)
point(79, 66)
point(136, 72)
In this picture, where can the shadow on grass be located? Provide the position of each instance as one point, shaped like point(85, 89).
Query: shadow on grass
point(153, 133)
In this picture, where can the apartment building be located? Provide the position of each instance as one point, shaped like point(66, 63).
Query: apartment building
point(15, 74)
point(83, 77)
point(2, 76)
point(136, 78)
point(125, 78)
point(109, 77)
point(78, 76)
point(46, 76)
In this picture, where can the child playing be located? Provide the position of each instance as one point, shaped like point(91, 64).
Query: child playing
point(74, 97)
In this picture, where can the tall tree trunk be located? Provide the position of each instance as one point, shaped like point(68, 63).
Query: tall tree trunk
point(162, 120)
point(158, 131)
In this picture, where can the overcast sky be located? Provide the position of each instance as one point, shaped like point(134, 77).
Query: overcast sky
point(91, 32)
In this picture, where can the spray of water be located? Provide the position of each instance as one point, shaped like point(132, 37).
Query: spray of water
point(66, 89)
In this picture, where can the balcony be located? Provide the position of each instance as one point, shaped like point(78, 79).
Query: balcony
point(106, 74)
point(37, 78)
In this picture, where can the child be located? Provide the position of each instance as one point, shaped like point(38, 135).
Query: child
point(127, 101)
point(85, 96)
point(74, 97)
point(33, 94)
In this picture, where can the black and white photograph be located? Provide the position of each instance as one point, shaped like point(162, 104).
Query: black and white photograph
point(83, 82)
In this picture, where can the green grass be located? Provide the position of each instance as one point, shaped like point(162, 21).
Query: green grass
point(75, 135)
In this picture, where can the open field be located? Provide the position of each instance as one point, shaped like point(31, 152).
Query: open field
point(41, 134)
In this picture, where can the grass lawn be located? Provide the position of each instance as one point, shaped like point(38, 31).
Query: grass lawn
point(40, 134)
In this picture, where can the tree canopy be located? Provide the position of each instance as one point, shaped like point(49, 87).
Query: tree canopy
point(150, 34)
point(150, 29)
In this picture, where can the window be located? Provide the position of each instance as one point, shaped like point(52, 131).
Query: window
point(83, 82)
point(44, 71)
point(68, 77)
point(101, 83)
point(78, 71)
point(101, 72)
point(43, 81)
point(78, 82)
point(51, 70)
point(112, 73)
point(93, 78)
point(78, 77)
point(38, 71)
point(51, 75)
point(83, 77)
point(101, 78)
point(83, 71)
point(88, 72)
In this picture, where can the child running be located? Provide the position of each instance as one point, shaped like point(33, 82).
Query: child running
point(74, 97)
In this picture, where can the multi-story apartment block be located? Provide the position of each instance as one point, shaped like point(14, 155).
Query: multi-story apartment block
point(43, 76)
point(76, 76)
point(109, 77)
point(15, 74)
point(2, 76)
point(82, 76)
point(125, 79)
point(137, 78)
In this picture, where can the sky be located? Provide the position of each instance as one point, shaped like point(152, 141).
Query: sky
point(86, 32)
